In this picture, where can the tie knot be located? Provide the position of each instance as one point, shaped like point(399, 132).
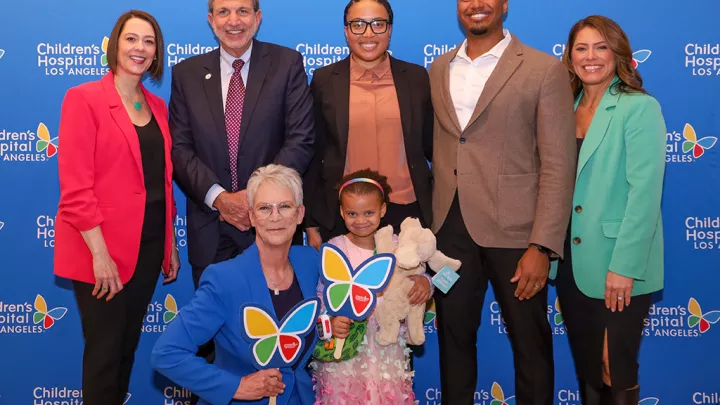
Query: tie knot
point(238, 64)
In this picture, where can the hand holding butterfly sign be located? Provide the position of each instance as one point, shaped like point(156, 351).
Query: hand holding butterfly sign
point(274, 347)
point(352, 293)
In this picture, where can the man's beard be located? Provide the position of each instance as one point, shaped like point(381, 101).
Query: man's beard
point(478, 30)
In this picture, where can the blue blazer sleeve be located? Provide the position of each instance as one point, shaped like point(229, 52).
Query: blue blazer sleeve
point(197, 323)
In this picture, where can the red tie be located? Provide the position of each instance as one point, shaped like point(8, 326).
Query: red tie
point(233, 118)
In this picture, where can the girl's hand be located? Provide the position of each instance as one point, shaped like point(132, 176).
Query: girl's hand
point(340, 326)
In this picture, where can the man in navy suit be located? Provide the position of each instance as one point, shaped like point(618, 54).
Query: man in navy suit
point(233, 110)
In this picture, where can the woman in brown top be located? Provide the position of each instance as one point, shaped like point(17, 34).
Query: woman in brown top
point(372, 111)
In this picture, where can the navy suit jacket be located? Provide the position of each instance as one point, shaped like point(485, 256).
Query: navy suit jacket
point(277, 127)
point(214, 313)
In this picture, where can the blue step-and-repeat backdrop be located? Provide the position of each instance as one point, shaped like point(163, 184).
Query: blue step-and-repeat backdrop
point(48, 46)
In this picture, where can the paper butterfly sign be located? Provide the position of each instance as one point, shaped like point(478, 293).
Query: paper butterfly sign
point(278, 347)
point(352, 292)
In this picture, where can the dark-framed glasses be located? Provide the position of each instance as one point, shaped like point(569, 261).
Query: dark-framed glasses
point(286, 210)
point(378, 26)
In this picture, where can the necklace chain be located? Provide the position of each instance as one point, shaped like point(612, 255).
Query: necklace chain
point(128, 98)
point(275, 285)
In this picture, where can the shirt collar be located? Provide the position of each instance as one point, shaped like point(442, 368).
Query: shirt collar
point(226, 60)
point(357, 71)
point(496, 51)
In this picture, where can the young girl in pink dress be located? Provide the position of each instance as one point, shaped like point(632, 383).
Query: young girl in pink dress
point(378, 374)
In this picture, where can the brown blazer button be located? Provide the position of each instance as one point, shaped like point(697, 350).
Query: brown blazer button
point(462, 140)
point(455, 172)
point(577, 241)
point(578, 209)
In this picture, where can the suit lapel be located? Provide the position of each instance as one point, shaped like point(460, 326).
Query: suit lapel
point(598, 127)
point(506, 67)
point(260, 63)
point(445, 90)
point(402, 89)
point(341, 98)
point(259, 294)
point(122, 119)
point(212, 82)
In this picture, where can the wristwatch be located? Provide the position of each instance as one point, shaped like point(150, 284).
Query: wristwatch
point(542, 249)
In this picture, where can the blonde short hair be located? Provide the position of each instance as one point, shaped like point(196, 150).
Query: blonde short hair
point(278, 175)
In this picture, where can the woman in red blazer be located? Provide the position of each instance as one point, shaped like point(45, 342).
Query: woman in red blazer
point(114, 227)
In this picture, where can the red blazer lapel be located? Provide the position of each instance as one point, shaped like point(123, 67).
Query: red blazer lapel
point(121, 118)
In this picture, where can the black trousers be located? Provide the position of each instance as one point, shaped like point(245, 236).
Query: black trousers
point(112, 329)
point(459, 315)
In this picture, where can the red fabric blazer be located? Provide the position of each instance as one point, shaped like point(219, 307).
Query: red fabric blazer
point(102, 182)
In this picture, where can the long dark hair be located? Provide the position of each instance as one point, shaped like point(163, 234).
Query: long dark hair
point(619, 44)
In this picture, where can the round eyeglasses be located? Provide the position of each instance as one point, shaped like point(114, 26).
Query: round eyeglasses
point(358, 27)
point(286, 210)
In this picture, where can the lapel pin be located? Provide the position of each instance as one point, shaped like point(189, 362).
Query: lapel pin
point(208, 76)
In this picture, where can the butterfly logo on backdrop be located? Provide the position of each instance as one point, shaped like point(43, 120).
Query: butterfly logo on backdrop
point(640, 57)
point(499, 397)
point(127, 398)
point(692, 143)
point(558, 317)
point(2, 53)
point(700, 319)
point(104, 58)
point(354, 285)
point(431, 314)
point(171, 309)
point(649, 401)
point(46, 143)
point(42, 314)
point(2, 224)
point(261, 328)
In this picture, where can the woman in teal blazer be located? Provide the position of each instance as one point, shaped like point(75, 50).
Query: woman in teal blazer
point(271, 275)
point(614, 251)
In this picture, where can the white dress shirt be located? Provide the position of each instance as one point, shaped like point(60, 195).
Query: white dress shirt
point(226, 72)
point(468, 77)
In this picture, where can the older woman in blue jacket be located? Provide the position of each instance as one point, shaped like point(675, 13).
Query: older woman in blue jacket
point(270, 274)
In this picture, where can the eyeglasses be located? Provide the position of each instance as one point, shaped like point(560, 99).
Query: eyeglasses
point(286, 210)
point(358, 27)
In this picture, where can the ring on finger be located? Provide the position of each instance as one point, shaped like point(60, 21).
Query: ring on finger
point(620, 298)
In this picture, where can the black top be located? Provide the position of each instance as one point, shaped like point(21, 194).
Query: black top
point(567, 261)
point(283, 303)
point(152, 149)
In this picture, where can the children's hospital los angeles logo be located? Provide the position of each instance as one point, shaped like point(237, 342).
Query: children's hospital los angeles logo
point(26, 318)
point(703, 59)
point(554, 314)
point(688, 146)
point(66, 59)
point(496, 396)
point(27, 145)
point(62, 396)
point(159, 315)
point(680, 321)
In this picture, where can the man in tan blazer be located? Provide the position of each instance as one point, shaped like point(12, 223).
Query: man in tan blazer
point(504, 161)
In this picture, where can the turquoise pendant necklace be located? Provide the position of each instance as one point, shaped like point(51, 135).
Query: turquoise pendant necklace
point(137, 105)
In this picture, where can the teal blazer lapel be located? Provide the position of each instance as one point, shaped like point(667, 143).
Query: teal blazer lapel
point(599, 125)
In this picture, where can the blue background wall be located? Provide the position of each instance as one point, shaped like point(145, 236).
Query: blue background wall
point(40, 365)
